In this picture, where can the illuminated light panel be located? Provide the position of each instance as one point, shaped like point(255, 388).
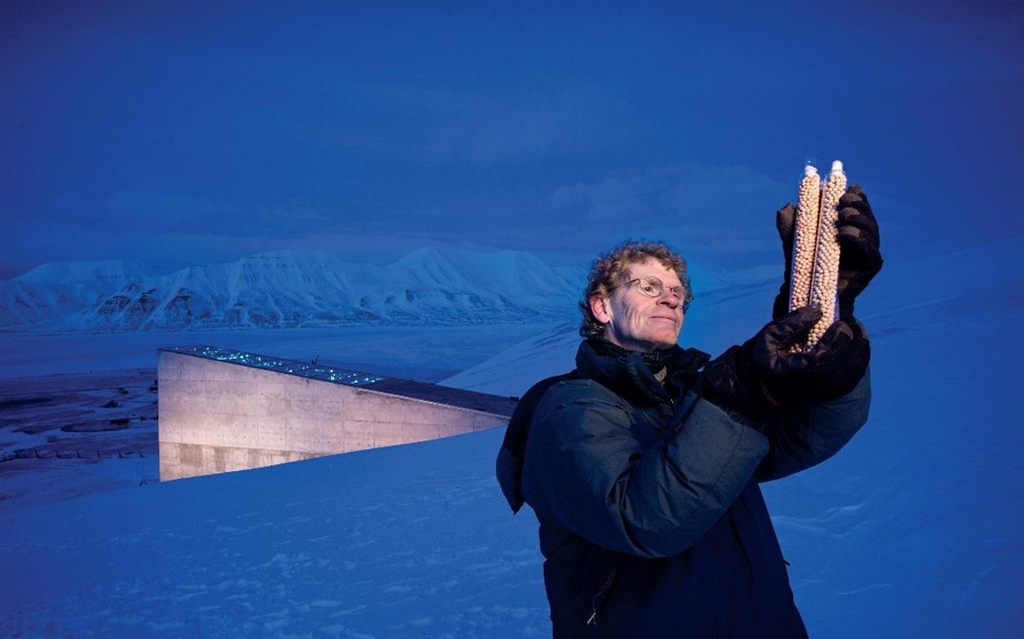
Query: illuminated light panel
point(278, 365)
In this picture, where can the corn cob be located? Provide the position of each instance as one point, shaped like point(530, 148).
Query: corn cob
point(805, 236)
point(815, 264)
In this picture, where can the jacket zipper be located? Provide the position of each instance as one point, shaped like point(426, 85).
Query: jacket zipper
point(592, 619)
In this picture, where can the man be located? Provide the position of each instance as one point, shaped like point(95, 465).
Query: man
point(643, 464)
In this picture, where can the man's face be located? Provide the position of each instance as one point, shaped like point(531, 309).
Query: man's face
point(636, 321)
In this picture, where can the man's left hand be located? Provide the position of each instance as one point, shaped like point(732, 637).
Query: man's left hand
point(860, 257)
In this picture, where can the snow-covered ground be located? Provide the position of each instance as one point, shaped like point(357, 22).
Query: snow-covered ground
point(913, 530)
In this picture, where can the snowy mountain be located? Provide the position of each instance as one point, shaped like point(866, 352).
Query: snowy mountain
point(288, 289)
point(55, 289)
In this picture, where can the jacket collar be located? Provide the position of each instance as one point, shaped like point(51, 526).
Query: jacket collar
point(629, 374)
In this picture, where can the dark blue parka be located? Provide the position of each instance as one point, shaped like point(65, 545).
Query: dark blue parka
point(652, 523)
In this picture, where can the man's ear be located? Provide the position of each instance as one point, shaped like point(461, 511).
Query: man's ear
point(601, 309)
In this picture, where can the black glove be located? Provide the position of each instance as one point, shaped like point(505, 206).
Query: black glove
point(762, 376)
point(859, 256)
point(785, 224)
point(830, 369)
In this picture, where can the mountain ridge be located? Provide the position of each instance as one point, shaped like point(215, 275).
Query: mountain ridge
point(289, 289)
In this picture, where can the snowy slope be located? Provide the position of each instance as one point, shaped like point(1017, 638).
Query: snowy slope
point(56, 289)
point(913, 530)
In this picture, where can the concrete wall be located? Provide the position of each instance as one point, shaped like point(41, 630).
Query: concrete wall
point(217, 416)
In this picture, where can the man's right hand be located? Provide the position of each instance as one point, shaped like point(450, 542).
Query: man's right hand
point(828, 370)
point(766, 374)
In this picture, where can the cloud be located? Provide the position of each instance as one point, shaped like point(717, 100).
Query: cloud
point(523, 120)
point(614, 198)
point(707, 201)
point(557, 131)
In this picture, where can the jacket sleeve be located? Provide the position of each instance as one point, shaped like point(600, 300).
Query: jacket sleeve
point(811, 434)
point(585, 471)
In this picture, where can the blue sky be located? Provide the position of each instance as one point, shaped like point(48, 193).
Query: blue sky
point(184, 133)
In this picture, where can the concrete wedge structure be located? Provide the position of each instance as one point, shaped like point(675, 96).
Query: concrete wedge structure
point(223, 410)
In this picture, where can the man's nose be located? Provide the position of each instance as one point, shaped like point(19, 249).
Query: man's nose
point(669, 297)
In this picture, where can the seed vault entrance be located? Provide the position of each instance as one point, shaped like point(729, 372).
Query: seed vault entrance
point(222, 410)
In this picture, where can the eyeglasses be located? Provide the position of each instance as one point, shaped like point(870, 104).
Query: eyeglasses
point(653, 287)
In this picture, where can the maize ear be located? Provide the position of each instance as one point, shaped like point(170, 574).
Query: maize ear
point(815, 264)
point(805, 235)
